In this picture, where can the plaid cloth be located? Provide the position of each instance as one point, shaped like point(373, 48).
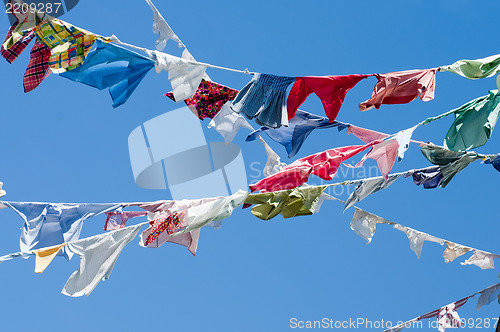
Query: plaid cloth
point(12, 53)
point(70, 45)
point(26, 24)
point(38, 67)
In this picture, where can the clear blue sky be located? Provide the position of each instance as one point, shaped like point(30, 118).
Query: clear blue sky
point(64, 142)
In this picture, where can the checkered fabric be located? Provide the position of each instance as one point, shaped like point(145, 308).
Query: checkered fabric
point(12, 53)
point(70, 45)
point(38, 67)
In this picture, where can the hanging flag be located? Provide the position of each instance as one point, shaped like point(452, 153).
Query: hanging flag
point(185, 76)
point(227, 122)
point(323, 164)
point(113, 67)
point(49, 224)
point(13, 51)
point(370, 186)
point(401, 88)
point(116, 220)
point(161, 27)
point(288, 203)
point(264, 99)
point(69, 44)
point(474, 122)
point(430, 177)
point(98, 256)
point(474, 69)
point(330, 89)
point(449, 162)
point(299, 128)
point(208, 99)
point(38, 67)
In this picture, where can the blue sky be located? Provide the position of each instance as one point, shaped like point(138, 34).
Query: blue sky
point(64, 142)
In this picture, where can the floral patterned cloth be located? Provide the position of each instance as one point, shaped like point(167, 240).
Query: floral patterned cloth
point(208, 99)
point(171, 224)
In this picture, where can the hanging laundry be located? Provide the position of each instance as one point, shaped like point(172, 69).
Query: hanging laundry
point(474, 122)
point(288, 203)
point(161, 27)
point(323, 164)
point(12, 52)
point(365, 224)
point(494, 160)
point(264, 98)
point(489, 295)
point(116, 220)
point(474, 69)
point(430, 177)
point(208, 99)
point(184, 75)
point(69, 44)
point(273, 163)
point(38, 67)
point(113, 67)
point(417, 238)
point(199, 212)
point(401, 88)
point(98, 256)
point(450, 162)
point(449, 318)
point(170, 224)
point(330, 89)
point(45, 256)
point(367, 187)
point(482, 259)
point(384, 153)
point(227, 122)
point(454, 250)
point(49, 224)
point(299, 128)
point(189, 240)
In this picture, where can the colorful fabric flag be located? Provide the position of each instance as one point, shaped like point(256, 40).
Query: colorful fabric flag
point(474, 69)
point(288, 203)
point(449, 162)
point(430, 177)
point(113, 67)
point(38, 67)
point(208, 99)
point(474, 122)
point(330, 89)
point(401, 88)
point(45, 256)
point(299, 128)
point(14, 51)
point(69, 44)
point(264, 99)
point(323, 164)
point(116, 220)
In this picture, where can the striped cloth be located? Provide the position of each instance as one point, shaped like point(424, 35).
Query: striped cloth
point(69, 44)
point(12, 52)
point(38, 67)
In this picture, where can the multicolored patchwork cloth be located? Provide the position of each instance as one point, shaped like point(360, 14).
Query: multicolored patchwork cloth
point(14, 51)
point(208, 99)
point(171, 224)
point(69, 44)
point(38, 67)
